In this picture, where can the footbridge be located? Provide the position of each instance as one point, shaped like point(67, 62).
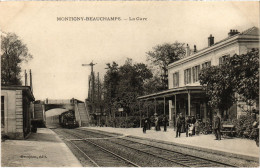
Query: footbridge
point(81, 113)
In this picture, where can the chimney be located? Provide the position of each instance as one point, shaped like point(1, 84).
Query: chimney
point(210, 40)
point(232, 32)
point(195, 49)
point(31, 80)
point(25, 76)
point(187, 50)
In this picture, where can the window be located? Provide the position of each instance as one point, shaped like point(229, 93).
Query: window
point(187, 76)
point(195, 73)
point(2, 110)
point(206, 64)
point(176, 79)
point(223, 59)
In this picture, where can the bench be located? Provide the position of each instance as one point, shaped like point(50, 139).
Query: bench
point(227, 130)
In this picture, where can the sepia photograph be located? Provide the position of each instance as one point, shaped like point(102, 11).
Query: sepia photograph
point(129, 83)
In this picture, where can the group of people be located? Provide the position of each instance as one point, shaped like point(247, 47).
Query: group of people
point(191, 126)
point(188, 125)
point(157, 122)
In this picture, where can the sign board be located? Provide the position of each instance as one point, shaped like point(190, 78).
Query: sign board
point(120, 109)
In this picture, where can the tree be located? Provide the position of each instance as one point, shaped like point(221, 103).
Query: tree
point(131, 84)
point(239, 75)
point(124, 84)
point(14, 52)
point(244, 71)
point(153, 85)
point(163, 55)
point(111, 79)
point(218, 86)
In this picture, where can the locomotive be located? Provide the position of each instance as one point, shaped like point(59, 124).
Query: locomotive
point(68, 120)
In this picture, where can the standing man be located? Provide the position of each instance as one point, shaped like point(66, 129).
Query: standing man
point(145, 121)
point(165, 121)
point(180, 125)
point(148, 123)
point(156, 121)
point(216, 126)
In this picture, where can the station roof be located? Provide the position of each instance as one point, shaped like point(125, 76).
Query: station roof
point(25, 89)
point(171, 92)
point(251, 33)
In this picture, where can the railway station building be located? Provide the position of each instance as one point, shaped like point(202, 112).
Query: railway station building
point(16, 111)
point(185, 94)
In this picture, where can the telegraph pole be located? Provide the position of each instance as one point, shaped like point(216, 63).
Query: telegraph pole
point(31, 80)
point(92, 89)
point(25, 76)
point(92, 78)
point(99, 97)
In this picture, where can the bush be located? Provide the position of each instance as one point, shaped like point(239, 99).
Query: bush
point(122, 122)
point(244, 126)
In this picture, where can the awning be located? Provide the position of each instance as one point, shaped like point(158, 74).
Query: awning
point(171, 92)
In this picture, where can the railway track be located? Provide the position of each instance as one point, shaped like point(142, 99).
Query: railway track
point(172, 158)
point(232, 160)
point(98, 155)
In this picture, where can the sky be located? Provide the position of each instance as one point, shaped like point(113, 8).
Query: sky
point(59, 48)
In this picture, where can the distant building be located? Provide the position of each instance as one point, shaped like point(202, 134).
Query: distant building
point(16, 111)
point(185, 93)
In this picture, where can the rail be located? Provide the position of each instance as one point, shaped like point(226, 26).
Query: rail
point(165, 154)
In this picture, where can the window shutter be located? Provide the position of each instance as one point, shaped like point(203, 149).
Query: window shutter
point(177, 76)
point(173, 79)
point(193, 74)
point(190, 75)
point(185, 77)
point(198, 72)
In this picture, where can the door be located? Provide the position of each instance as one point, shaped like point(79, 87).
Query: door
point(198, 111)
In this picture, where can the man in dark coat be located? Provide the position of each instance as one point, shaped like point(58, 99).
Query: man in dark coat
point(149, 123)
point(165, 121)
point(216, 126)
point(145, 122)
point(180, 125)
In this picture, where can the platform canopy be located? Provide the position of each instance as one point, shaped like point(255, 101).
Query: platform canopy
point(171, 92)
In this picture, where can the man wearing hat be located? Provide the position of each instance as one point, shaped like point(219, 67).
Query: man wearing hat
point(216, 126)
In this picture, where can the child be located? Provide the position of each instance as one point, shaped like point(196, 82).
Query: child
point(191, 127)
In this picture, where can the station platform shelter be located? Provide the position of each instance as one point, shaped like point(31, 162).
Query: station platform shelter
point(16, 111)
point(188, 100)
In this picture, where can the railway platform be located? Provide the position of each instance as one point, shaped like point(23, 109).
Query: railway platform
point(41, 149)
point(238, 147)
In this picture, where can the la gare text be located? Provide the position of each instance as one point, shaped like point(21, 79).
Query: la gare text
point(75, 19)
